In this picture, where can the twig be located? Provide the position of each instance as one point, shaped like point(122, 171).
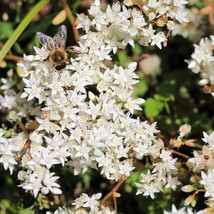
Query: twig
point(71, 19)
point(181, 154)
point(115, 202)
point(111, 193)
point(25, 148)
point(22, 126)
point(13, 58)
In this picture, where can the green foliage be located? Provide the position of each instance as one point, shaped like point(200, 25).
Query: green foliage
point(9, 207)
point(141, 88)
point(153, 107)
point(27, 211)
point(6, 30)
point(123, 58)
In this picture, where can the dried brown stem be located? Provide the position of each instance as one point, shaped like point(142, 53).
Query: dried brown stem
point(13, 58)
point(22, 126)
point(181, 154)
point(115, 202)
point(25, 148)
point(71, 19)
point(10, 55)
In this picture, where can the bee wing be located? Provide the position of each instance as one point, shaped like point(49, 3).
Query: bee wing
point(61, 36)
point(46, 41)
point(43, 39)
point(62, 33)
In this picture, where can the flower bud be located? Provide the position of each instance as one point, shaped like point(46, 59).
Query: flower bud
point(187, 188)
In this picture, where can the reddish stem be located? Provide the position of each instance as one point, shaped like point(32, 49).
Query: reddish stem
point(181, 154)
point(112, 194)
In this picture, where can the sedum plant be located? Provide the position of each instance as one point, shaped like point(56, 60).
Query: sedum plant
point(78, 110)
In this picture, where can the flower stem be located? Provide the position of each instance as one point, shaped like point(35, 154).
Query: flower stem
point(111, 193)
point(180, 154)
point(71, 19)
point(13, 58)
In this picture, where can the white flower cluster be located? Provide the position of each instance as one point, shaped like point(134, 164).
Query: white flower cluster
point(203, 163)
point(194, 29)
point(183, 211)
point(11, 100)
point(202, 60)
point(163, 174)
point(85, 205)
point(119, 26)
point(162, 12)
point(85, 117)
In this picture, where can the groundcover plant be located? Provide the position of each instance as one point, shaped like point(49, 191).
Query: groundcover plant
point(99, 111)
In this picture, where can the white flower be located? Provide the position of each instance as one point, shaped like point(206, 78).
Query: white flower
point(179, 14)
point(33, 183)
point(209, 139)
point(95, 8)
point(148, 177)
point(9, 100)
point(207, 180)
point(148, 32)
point(197, 161)
point(47, 125)
point(179, 3)
point(50, 183)
point(133, 104)
point(32, 90)
point(203, 60)
point(85, 201)
point(138, 19)
point(149, 190)
point(42, 53)
point(158, 39)
point(61, 210)
point(93, 201)
point(7, 158)
point(40, 180)
point(125, 168)
point(82, 150)
point(7, 84)
point(172, 182)
point(85, 23)
point(184, 129)
point(94, 110)
point(176, 211)
point(183, 211)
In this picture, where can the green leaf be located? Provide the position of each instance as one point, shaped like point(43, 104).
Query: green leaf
point(137, 49)
point(140, 89)
point(6, 30)
point(5, 203)
point(166, 98)
point(124, 59)
point(153, 107)
point(27, 211)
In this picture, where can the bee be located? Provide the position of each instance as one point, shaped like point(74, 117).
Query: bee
point(55, 47)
